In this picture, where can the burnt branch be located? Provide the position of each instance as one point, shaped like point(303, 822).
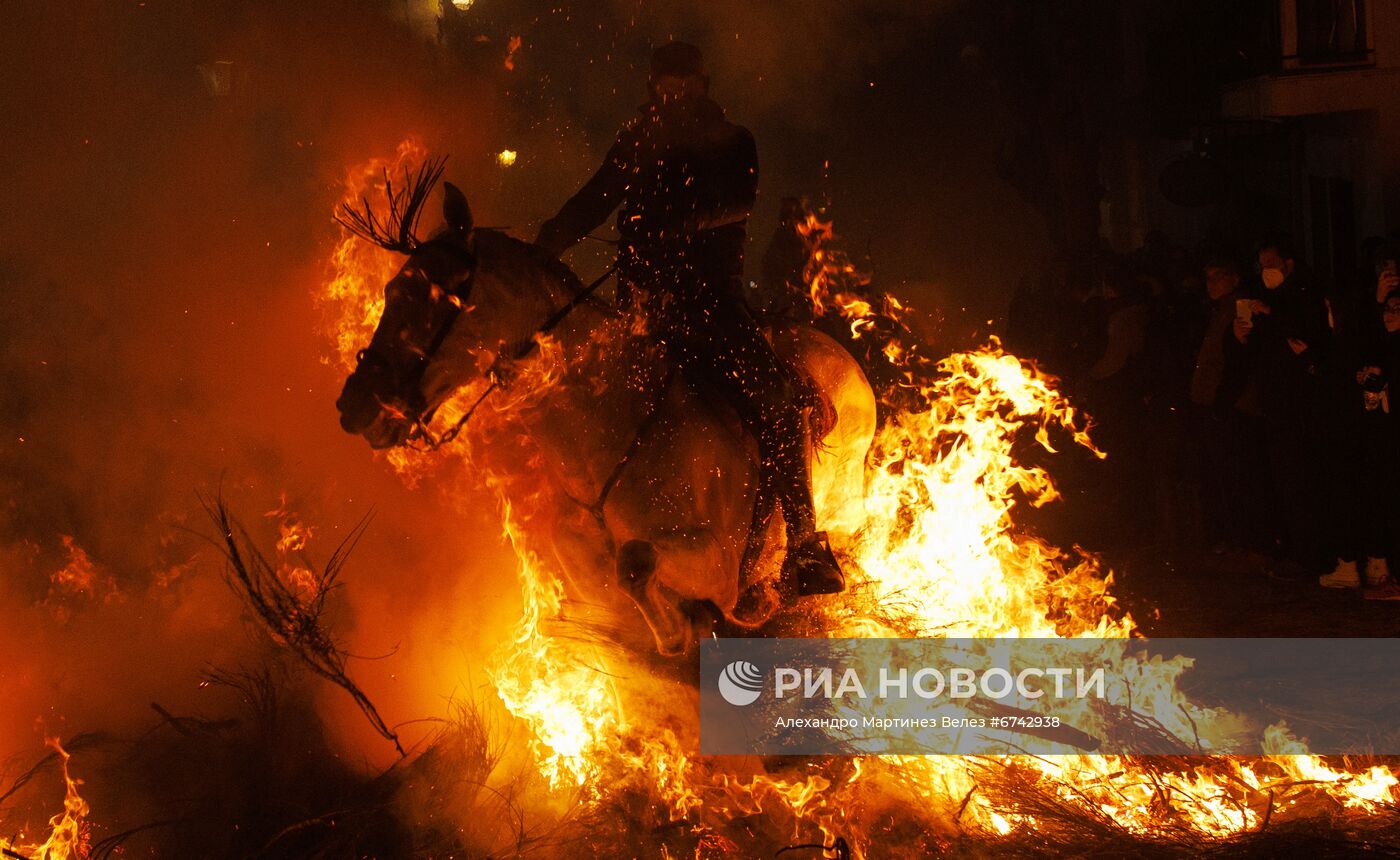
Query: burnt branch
point(397, 230)
point(77, 743)
point(290, 616)
point(113, 845)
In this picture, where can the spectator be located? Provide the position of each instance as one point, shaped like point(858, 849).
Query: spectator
point(1281, 339)
point(1222, 281)
point(1114, 385)
point(1364, 485)
point(1125, 301)
point(1226, 470)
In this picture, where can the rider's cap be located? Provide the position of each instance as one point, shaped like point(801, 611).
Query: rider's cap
point(681, 59)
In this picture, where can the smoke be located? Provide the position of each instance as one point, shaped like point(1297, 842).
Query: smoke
point(160, 247)
point(170, 170)
point(787, 60)
point(869, 105)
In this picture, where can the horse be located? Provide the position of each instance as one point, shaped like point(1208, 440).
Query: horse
point(655, 488)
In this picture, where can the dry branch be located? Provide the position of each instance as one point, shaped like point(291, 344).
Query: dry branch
point(292, 620)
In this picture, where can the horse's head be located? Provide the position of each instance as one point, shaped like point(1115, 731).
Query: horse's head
point(384, 398)
point(446, 313)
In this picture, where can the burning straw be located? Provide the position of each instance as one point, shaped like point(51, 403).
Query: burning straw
point(938, 553)
point(292, 612)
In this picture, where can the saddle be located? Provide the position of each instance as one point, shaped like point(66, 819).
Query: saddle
point(657, 377)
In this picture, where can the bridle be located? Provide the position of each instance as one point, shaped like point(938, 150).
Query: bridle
point(421, 437)
point(411, 380)
point(421, 431)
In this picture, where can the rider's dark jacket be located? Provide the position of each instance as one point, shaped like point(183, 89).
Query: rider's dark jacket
point(686, 180)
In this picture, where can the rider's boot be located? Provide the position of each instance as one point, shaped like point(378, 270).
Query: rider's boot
point(809, 563)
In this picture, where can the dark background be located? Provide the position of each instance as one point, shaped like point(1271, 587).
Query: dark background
point(170, 167)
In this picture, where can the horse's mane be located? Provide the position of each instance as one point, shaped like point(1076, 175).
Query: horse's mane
point(568, 281)
point(397, 230)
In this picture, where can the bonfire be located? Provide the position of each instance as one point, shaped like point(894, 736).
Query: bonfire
point(938, 553)
point(611, 733)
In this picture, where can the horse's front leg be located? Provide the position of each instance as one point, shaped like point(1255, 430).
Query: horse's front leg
point(671, 575)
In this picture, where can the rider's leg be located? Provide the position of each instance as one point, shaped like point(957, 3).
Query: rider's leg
point(733, 358)
point(739, 362)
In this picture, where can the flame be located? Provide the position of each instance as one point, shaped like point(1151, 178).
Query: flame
point(836, 286)
point(68, 830)
point(78, 576)
point(833, 280)
point(560, 692)
point(353, 298)
point(292, 537)
point(938, 554)
point(939, 541)
point(78, 582)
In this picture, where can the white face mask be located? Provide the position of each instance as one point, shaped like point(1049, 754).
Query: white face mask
point(1272, 277)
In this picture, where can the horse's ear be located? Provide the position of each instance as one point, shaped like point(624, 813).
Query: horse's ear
point(455, 210)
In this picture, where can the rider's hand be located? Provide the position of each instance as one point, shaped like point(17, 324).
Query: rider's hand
point(1242, 330)
point(553, 239)
point(506, 368)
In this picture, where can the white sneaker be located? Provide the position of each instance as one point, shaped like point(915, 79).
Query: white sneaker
point(1377, 571)
point(1388, 590)
point(1344, 575)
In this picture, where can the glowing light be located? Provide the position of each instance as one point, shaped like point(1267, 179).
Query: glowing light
point(463, 5)
point(506, 157)
point(937, 552)
point(68, 837)
point(511, 48)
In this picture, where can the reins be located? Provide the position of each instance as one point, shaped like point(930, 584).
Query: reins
point(420, 429)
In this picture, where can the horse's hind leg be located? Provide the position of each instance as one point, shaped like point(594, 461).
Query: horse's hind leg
point(758, 599)
point(636, 573)
point(765, 504)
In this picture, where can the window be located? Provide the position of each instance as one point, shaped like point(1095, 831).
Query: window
point(1331, 31)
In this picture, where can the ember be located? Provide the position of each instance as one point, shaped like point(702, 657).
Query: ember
point(936, 552)
point(403, 403)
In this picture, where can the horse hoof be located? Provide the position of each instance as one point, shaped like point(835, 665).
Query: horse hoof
point(755, 606)
point(636, 571)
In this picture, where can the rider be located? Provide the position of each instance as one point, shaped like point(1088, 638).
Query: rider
point(685, 180)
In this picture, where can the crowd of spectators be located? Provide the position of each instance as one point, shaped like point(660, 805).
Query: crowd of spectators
point(1246, 405)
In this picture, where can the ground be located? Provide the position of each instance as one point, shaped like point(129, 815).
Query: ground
point(1232, 594)
point(1172, 585)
